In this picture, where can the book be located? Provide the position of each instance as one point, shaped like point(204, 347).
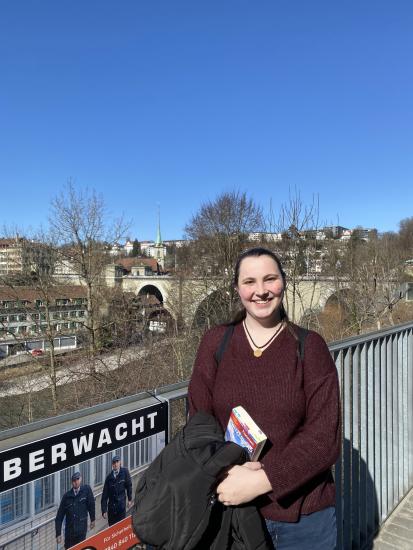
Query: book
point(243, 431)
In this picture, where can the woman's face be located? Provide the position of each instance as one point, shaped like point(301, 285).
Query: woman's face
point(260, 287)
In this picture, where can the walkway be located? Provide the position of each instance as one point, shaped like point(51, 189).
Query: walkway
point(397, 531)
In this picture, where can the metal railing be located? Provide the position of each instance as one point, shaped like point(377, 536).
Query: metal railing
point(375, 470)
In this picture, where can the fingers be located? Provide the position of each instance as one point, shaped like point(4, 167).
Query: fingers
point(252, 465)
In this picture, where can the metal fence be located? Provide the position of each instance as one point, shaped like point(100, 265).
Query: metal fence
point(375, 470)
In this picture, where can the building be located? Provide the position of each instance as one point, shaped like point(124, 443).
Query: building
point(128, 247)
point(177, 243)
point(345, 235)
point(364, 234)
point(139, 266)
point(118, 249)
point(263, 237)
point(24, 311)
point(12, 258)
point(336, 231)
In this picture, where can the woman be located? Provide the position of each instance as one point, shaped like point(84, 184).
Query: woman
point(294, 402)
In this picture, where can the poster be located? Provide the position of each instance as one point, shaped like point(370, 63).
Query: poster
point(36, 476)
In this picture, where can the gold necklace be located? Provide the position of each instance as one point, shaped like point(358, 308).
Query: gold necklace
point(259, 349)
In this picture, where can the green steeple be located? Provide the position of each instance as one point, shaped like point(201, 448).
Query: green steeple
point(158, 234)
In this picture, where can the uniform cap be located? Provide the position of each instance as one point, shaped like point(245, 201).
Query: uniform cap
point(115, 458)
point(76, 475)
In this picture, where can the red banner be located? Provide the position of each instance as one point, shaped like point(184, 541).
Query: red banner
point(117, 537)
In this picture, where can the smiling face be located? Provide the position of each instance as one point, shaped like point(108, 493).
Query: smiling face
point(260, 287)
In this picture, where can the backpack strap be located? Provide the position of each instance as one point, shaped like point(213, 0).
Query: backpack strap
point(302, 335)
point(224, 343)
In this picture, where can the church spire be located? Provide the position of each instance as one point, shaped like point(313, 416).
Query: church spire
point(158, 234)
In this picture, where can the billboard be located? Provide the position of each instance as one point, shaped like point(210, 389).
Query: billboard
point(36, 481)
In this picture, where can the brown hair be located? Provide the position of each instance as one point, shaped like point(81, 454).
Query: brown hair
point(256, 252)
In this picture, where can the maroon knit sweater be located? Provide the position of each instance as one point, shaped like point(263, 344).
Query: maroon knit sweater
point(296, 405)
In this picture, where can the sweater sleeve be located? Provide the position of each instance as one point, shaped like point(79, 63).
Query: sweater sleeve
point(315, 446)
point(201, 385)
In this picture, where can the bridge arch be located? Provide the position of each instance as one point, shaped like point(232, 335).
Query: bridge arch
point(211, 310)
point(337, 297)
point(151, 290)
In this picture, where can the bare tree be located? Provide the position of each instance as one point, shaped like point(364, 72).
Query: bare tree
point(368, 280)
point(406, 237)
point(34, 276)
point(84, 233)
point(299, 248)
point(219, 232)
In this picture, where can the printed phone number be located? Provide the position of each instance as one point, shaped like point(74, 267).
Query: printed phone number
point(126, 540)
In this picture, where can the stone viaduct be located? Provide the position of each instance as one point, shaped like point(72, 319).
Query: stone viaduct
point(184, 297)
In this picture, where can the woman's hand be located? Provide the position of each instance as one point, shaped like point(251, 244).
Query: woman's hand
point(243, 484)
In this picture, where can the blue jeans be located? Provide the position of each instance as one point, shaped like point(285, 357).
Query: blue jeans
point(317, 531)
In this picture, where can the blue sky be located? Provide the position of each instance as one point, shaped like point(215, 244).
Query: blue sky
point(174, 102)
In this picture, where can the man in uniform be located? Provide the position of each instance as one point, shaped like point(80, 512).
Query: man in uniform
point(118, 485)
point(75, 505)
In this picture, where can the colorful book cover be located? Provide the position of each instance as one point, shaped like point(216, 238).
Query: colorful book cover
point(243, 431)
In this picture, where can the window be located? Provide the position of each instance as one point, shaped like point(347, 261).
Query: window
point(22, 317)
point(409, 292)
point(73, 314)
point(132, 454)
point(126, 456)
point(65, 314)
point(13, 318)
point(13, 504)
point(140, 453)
point(81, 313)
point(66, 480)
point(108, 462)
point(39, 303)
point(84, 470)
point(43, 493)
point(56, 315)
point(98, 470)
point(35, 316)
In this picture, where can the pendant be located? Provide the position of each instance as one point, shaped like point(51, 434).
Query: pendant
point(257, 353)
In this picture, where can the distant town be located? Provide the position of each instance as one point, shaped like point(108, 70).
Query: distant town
point(24, 320)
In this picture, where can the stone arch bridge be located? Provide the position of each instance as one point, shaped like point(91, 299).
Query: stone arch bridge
point(182, 298)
